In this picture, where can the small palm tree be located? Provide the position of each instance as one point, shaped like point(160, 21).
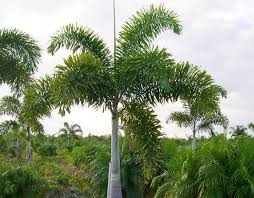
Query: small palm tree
point(251, 126)
point(239, 130)
point(198, 122)
point(207, 123)
point(11, 105)
point(71, 131)
point(19, 56)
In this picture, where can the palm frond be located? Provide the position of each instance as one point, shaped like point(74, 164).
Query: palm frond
point(8, 125)
point(215, 119)
point(74, 38)
point(19, 56)
point(141, 74)
point(183, 119)
point(37, 102)
point(145, 26)
point(10, 105)
point(142, 125)
point(81, 79)
point(20, 46)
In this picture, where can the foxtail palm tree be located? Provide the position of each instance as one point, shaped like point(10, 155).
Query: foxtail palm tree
point(239, 130)
point(251, 126)
point(137, 71)
point(198, 122)
point(11, 105)
point(71, 130)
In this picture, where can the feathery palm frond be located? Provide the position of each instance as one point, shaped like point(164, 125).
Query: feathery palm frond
point(74, 37)
point(8, 125)
point(144, 27)
point(215, 119)
point(19, 56)
point(37, 102)
point(82, 78)
point(10, 105)
point(142, 126)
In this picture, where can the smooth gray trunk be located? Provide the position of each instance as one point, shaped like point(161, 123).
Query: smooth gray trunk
point(194, 141)
point(28, 152)
point(17, 144)
point(115, 159)
point(114, 186)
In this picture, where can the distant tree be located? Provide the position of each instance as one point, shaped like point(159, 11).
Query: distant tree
point(19, 56)
point(239, 130)
point(11, 105)
point(208, 123)
point(198, 122)
point(71, 131)
point(251, 126)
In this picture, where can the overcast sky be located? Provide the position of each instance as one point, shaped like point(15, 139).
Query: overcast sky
point(217, 35)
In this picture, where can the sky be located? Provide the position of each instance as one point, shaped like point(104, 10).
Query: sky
point(217, 35)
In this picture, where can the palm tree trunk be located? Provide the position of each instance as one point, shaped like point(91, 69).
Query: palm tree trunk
point(28, 152)
point(212, 133)
point(17, 143)
point(115, 180)
point(194, 141)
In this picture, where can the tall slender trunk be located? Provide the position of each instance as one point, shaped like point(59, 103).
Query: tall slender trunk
point(17, 143)
point(115, 159)
point(115, 189)
point(194, 141)
point(212, 133)
point(28, 151)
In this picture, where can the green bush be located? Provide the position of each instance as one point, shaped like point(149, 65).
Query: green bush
point(21, 182)
point(47, 150)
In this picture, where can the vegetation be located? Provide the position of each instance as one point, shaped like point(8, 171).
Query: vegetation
point(128, 82)
point(220, 167)
point(19, 56)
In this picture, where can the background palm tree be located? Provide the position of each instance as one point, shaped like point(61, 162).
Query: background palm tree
point(19, 56)
point(208, 123)
point(138, 71)
point(71, 131)
point(239, 130)
point(251, 126)
point(198, 122)
point(12, 106)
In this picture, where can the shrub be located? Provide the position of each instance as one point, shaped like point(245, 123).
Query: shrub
point(47, 150)
point(21, 182)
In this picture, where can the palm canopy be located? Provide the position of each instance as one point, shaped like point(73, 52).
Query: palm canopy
point(36, 102)
point(12, 106)
point(141, 71)
point(239, 130)
point(71, 130)
point(251, 126)
point(199, 122)
point(19, 56)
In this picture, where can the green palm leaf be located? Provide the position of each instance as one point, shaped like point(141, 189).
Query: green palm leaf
point(74, 38)
point(19, 56)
